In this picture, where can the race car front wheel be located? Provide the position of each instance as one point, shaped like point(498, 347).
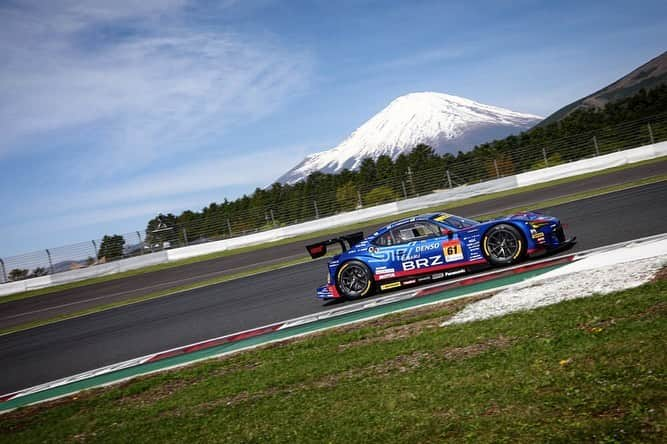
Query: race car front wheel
point(503, 245)
point(354, 280)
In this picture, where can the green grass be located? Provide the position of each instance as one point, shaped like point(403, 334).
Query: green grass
point(586, 370)
point(322, 233)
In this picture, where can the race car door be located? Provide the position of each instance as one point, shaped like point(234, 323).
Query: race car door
point(422, 246)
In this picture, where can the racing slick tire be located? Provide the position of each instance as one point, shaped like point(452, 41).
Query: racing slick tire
point(503, 244)
point(354, 280)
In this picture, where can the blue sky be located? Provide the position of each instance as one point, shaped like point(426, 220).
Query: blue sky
point(111, 112)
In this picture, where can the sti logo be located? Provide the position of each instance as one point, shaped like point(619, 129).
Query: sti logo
point(423, 263)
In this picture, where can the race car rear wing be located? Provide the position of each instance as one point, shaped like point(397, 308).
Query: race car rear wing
point(320, 249)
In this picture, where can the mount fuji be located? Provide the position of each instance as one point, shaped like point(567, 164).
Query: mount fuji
point(447, 123)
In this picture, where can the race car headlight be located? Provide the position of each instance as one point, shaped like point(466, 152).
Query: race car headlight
point(536, 225)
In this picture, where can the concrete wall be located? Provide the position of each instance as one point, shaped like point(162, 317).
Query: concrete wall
point(84, 273)
point(365, 214)
point(593, 164)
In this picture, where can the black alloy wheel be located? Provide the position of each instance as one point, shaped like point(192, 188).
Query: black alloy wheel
point(503, 245)
point(354, 280)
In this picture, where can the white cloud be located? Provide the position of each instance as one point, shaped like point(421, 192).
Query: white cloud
point(160, 89)
point(216, 173)
point(171, 189)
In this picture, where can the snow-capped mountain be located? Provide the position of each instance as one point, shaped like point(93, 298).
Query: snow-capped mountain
point(445, 122)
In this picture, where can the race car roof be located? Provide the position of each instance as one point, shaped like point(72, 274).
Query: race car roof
point(426, 216)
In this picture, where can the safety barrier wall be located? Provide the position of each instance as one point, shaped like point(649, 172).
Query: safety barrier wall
point(592, 164)
point(132, 263)
point(26, 285)
point(436, 198)
point(84, 273)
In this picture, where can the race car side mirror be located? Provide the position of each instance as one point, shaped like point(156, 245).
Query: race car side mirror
point(447, 232)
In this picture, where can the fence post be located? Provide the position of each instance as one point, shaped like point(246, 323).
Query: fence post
point(412, 182)
point(449, 179)
point(273, 218)
point(405, 193)
point(229, 226)
point(94, 249)
point(597, 148)
point(4, 272)
point(185, 236)
point(48, 254)
point(495, 164)
point(361, 203)
point(650, 133)
point(317, 212)
point(141, 242)
point(544, 154)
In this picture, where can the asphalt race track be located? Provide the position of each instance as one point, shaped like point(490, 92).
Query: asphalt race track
point(65, 348)
point(77, 299)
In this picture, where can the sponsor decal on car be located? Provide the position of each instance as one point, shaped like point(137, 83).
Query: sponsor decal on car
point(424, 279)
point(538, 236)
point(442, 217)
point(386, 276)
point(424, 262)
point(410, 282)
point(391, 285)
point(453, 251)
point(435, 276)
point(425, 248)
point(455, 272)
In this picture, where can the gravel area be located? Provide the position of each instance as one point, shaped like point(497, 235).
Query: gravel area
point(602, 273)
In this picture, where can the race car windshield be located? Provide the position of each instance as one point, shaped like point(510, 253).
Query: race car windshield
point(459, 222)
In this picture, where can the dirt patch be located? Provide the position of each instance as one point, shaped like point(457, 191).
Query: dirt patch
point(156, 393)
point(408, 323)
point(400, 364)
point(610, 413)
point(661, 275)
point(659, 309)
point(597, 326)
point(472, 350)
point(23, 417)
point(394, 333)
point(166, 389)
point(492, 410)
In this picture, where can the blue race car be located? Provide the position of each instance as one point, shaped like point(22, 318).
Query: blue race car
point(431, 247)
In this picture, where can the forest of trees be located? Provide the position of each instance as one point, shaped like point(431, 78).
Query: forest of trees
point(421, 171)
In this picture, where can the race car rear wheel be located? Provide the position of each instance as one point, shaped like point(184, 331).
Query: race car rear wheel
point(354, 280)
point(503, 244)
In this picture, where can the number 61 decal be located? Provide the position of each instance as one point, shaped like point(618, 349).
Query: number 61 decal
point(452, 250)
